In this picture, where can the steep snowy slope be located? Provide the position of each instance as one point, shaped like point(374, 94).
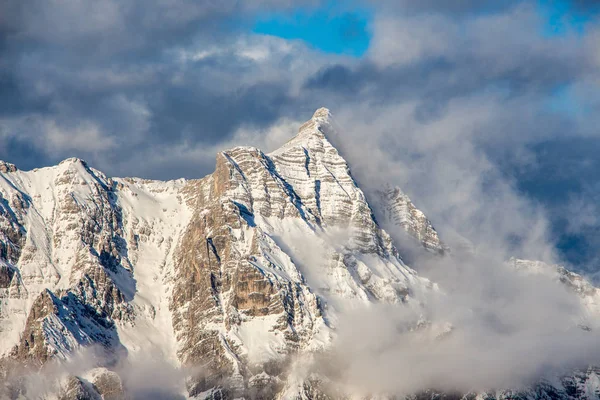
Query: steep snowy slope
point(273, 239)
point(396, 210)
point(71, 276)
point(222, 287)
point(227, 277)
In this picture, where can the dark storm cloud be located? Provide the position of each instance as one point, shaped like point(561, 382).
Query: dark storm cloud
point(26, 153)
point(442, 79)
point(341, 79)
point(565, 179)
point(211, 117)
point(14, 99)
point(112, 71)
point(144, 74)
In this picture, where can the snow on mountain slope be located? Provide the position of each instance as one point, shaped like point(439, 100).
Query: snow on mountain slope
point(155, 216)
point(255, 217)
point(235, 280)
point(211, 273)
point(76, 239)
point(68, 229)
point(397, 210)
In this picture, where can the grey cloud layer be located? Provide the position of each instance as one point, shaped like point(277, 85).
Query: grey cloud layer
point(115, 75)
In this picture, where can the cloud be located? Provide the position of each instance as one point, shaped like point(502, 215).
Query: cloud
point(492, 329)
point(466, 105)
point(143, 376)
point(129, 72)
point(443, 120)
point(451, 7)
point(196, 159)
point(199, 76)
point(487, 90)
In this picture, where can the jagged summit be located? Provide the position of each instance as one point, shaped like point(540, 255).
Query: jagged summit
point(312, 133)
point(7, 167)
point(310, 136)
point(321, 121)
point(73, 160)
point(396, 209)
point(322, 114)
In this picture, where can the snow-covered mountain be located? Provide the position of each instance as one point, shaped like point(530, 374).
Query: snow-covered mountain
point(397, 209)
point(228, 272)
point(233, 280)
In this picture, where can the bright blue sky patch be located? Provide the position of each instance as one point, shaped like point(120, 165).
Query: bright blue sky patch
point(329, 28)
point(563, 17)
point(564, 101)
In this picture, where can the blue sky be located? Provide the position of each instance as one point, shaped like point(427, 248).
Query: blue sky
point(330, 28)
point(346, 29)
point(563, 17)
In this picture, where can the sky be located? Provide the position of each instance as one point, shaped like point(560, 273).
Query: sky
point(478, 105)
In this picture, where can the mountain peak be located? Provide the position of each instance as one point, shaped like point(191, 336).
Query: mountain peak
point(311, 133)
point(72, 160)
point(321, 114)
point(7, 167)
point(321, 117)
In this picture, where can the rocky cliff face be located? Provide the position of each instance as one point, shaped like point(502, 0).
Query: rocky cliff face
point(397, 210)
point(229, 276)
point(233, 279)
point(245, 299)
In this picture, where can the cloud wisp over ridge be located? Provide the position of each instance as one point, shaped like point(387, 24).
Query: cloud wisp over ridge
point(484, 112)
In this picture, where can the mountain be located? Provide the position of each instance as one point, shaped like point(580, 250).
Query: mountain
point(212, 272)
point(397, 209)
point(588, 294)
point(221, 287)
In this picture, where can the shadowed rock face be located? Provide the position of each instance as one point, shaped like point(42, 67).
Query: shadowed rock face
point(33, 346)
point(227, 278)
point(7, 273)
point(396, 209)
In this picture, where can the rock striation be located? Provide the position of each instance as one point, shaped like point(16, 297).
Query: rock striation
point(397, 210)
point(235, 272)
point(233, 280)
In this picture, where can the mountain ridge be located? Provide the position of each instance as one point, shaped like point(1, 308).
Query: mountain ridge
point(241, 272)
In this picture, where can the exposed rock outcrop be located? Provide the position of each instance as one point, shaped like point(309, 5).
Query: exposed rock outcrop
point(232, 280)
point(396, 209)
